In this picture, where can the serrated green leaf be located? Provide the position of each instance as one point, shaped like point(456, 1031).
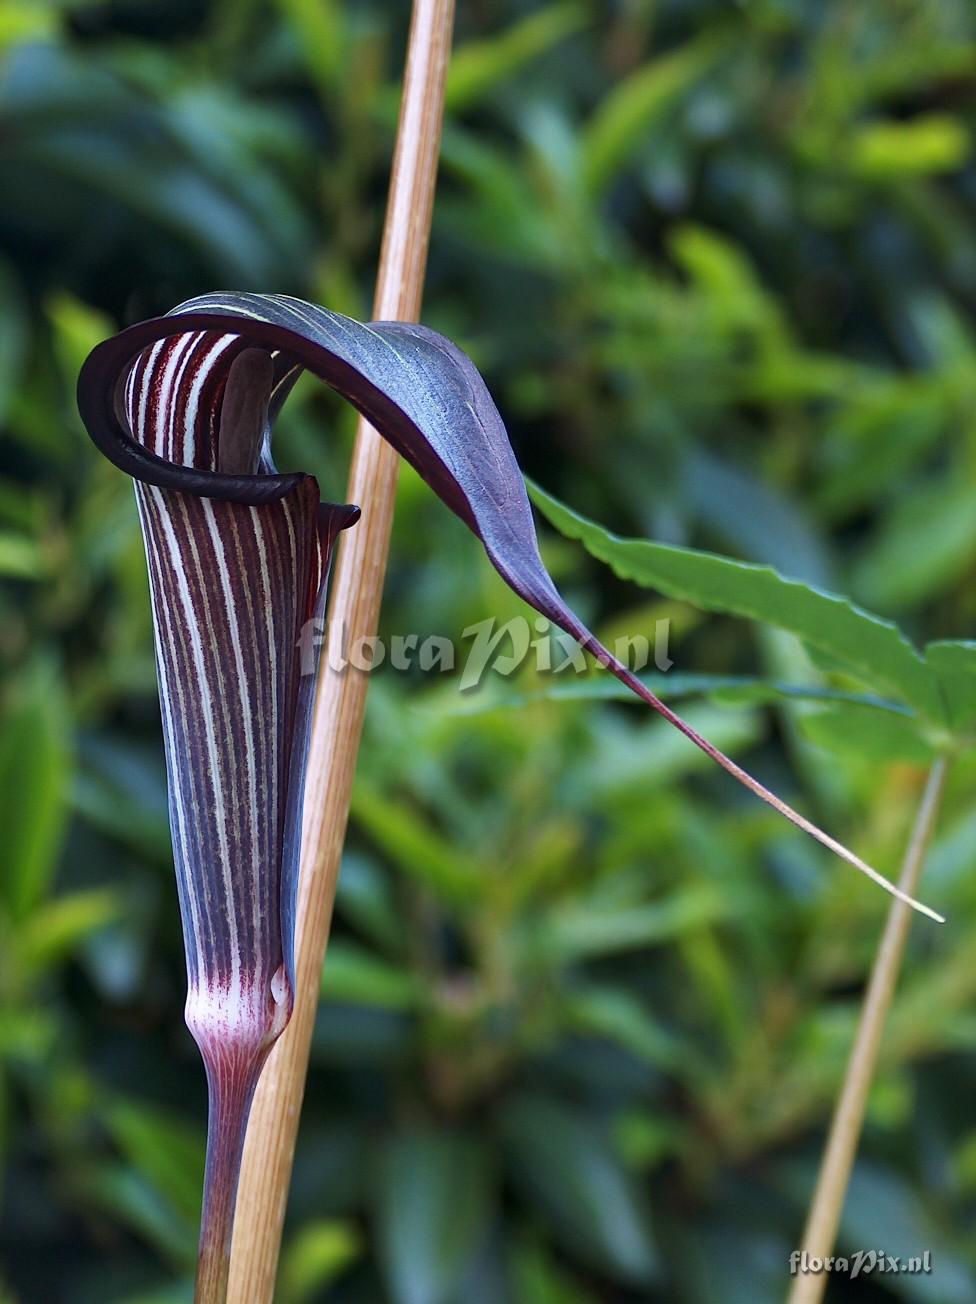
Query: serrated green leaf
point(955, 664)
point(873, 649)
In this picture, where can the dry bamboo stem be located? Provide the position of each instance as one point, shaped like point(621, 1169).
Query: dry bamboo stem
point(845, 1129)
point(340, 706)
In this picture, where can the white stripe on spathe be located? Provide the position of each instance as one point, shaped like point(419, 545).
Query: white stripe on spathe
point(205, 367)
point(162, 415)
point(207, 704)
point(172, 698)
point(272, 647)
point(258, 853)
point(262, 689)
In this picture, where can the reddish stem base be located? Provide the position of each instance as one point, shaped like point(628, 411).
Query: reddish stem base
point(231, 1079)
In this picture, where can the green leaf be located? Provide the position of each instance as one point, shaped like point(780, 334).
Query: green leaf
point(873, 649)
point(587, 928)
point(885, 424)
point(413, 845)
point(59, 925)
point(20, 558)
point(479, 66)
point(922, 547)
point(352, 974)
point(955, 665)
point(497, 211)
point(654, 754)
point(728, 689)
point(20, 23)
point(622, 122)
point(24, 1034)
point(76, 328)
point(566, 1167)
point(133, 1202)
point(539, 1280)
point(318, 28)
point(317, 1254)
point(34, 770)
point(618, 1015)
point(756, 520)
point(122, 793)
point(163, 1149)
point(928, 143)
point(883, 1210)
point(365, 898)
point(881, 736)
point(179, 1294)
point(735, 295)
point(434, 1202)
point(13, 327)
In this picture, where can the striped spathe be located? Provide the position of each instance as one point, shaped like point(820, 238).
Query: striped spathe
point(232, 586)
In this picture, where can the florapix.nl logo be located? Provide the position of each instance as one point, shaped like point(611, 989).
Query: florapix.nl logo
point(487, 647)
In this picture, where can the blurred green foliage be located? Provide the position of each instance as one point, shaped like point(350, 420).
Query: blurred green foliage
point(586, 1005)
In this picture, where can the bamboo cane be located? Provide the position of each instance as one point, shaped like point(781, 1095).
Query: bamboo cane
point(827, 1205)
point(340, 705)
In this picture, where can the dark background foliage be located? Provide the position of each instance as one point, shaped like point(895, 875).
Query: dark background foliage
point(586, 1005)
